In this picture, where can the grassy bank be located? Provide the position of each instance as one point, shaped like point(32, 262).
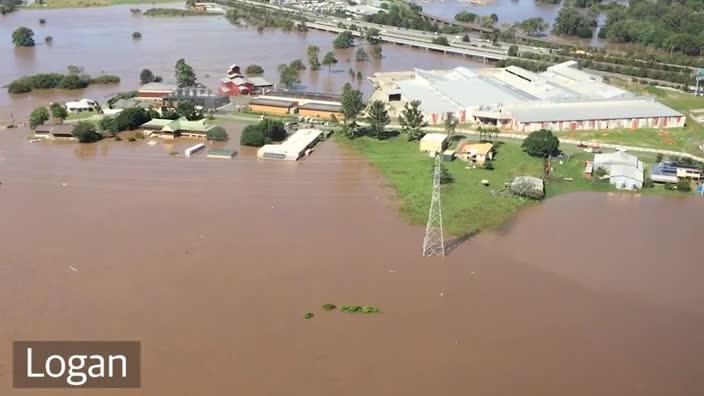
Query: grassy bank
point(466, 204)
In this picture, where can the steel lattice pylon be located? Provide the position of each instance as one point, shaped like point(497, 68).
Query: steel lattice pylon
point(434, 243)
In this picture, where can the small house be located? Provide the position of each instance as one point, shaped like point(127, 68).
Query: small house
point(433, 143)
point(181, 127)
point(625, 170)
point(476, 153)
point(55, 131)
point(83, 105)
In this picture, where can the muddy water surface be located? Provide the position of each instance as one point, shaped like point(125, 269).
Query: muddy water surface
point(212, 264)
point(100, 40)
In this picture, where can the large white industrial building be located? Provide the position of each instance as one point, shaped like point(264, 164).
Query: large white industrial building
point(561, 98)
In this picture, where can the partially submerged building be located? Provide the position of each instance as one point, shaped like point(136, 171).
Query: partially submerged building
point(55, 131)
point(625, 171)
point(155, 91)
point(201, 97)
point(561, 98)
point(181, 127)
point(295, 147)
point(306, 104)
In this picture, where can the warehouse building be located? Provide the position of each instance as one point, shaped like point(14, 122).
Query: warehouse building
point(295, 147)
point(561, 98)
point(272, 106)
point(155, 90)
point(321, 110)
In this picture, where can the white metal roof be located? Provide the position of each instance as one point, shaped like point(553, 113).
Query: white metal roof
point(592, 110)
point(434, 137)
point(158, 87)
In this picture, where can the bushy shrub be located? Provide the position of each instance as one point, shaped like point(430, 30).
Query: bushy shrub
point(252, 136)
point(85, 132)
point(218, 134)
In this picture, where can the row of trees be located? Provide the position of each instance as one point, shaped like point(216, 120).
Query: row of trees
point(265, 132)
point(57, 80)
point(675, 26)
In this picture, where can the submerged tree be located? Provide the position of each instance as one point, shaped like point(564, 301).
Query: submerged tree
point(360, 55)
point(185, 76)
point(23, 37)
point(289, 76)
point(329, 60)
point(39, 116)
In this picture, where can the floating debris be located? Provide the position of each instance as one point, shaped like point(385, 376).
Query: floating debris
point(308, 315)
point(329, 307)
point(359, 309)
point(73, 269)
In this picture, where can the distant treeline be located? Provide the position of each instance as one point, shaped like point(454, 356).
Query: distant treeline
point(670, 25)
point(57, 80)
point(7, 6)
point(174, 12)
point(621, 65)
point(264, 18)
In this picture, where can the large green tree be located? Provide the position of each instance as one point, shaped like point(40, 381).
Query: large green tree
point(373, 36)
point(185, 76)
point(85, 132)
point(352, 106)
point(23, 37)
point(344, 40)
point(541, 143)
point(312, 53)
point(39, 116)
point(58, 111)
point(378, 118)
point(147, 76)
point(360, 55)
point(289, 76)
point(412, 120)
point(329, 60)
point(218, 134)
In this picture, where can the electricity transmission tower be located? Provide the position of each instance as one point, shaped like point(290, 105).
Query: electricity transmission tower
point(434, 243)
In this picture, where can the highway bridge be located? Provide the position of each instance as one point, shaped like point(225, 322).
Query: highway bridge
point(407, 40)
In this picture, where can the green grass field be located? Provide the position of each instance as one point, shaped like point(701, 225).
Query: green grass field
point(466, 204)
point(682, 139)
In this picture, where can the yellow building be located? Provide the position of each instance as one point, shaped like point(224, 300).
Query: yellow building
point(477, 153)
point(272, 106)
point(433, 142)
point(321, 110)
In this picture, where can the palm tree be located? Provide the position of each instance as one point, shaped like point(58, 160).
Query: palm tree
point(450, 124)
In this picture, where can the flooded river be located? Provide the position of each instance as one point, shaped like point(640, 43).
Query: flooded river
point(100, 40)
point(211, 264)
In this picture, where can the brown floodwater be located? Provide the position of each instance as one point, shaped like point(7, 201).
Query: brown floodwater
point(211, 264)
point(100, 40)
